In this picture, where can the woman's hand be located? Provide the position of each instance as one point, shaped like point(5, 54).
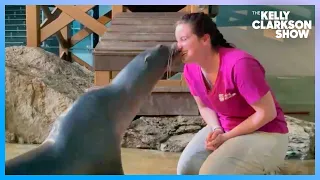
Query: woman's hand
point(211, 137)
point(218, 141)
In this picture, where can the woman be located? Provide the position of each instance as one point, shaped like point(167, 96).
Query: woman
point(246, 131)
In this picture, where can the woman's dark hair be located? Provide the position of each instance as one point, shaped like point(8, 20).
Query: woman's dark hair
point(202, 24)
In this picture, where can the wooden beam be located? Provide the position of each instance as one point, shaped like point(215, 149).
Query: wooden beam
point(126, 9)
point(196, 8)
point(33, 25)
point(61, 38)
point(144, 21)
point(55, 14)
point(83, 33)
point(205, 9)
point(183, 81)
point(160, 83)
point(116, 9)
point(114, 74)
point(168, 102)
point(142, 28)
point(175, 15)
point(56, 25)
point(102, 78)
point(84, 18)
point(170, 83)
point(130, 45)
point(136, 37)
point(186, 9)
point(64, 48)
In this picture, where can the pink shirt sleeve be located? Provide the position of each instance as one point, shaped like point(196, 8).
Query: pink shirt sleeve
point(249, 77)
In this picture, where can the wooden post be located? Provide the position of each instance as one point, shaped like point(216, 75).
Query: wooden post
point(103, 78)
point(205, 9)
point(196, 8)
point(62, 36)
point(33, 25)
point(64, 51)
point(116, 9)
point(186, 9)
point(183, 81)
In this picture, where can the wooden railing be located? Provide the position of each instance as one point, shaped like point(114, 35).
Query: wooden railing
point(57, 23)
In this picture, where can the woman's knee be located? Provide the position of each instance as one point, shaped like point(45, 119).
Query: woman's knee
point(240, 156)
point(186, 168)
point(194, 154)
point(191, 164)
point(229, 166)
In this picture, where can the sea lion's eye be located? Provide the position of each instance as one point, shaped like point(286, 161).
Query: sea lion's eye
point(146, 58)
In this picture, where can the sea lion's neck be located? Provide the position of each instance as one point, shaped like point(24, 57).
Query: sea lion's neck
point(139, 77)
point(133, 79)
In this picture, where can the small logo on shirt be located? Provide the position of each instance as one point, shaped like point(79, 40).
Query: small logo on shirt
point(224, 97)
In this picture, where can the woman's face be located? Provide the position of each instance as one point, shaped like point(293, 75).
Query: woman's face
point(188, 43)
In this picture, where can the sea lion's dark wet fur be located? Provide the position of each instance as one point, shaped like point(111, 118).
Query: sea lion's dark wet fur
point(86, 139)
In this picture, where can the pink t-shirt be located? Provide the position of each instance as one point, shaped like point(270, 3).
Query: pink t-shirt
point(240, 82)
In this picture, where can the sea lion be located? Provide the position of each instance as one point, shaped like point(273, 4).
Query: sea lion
point(86, 139)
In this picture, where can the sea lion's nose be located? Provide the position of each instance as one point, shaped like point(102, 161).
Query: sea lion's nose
point(175, 49)
point(159, 46)
point(174, 46)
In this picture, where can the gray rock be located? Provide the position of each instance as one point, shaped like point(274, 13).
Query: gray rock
point(162, 133)
point(172, 134)
point(10, 137)
point(301, 138)
point(176, 143)
point(39, 87)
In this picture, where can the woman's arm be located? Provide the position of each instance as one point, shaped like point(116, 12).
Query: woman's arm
point(208, 115)
point(249, 78)
point(265, 112)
